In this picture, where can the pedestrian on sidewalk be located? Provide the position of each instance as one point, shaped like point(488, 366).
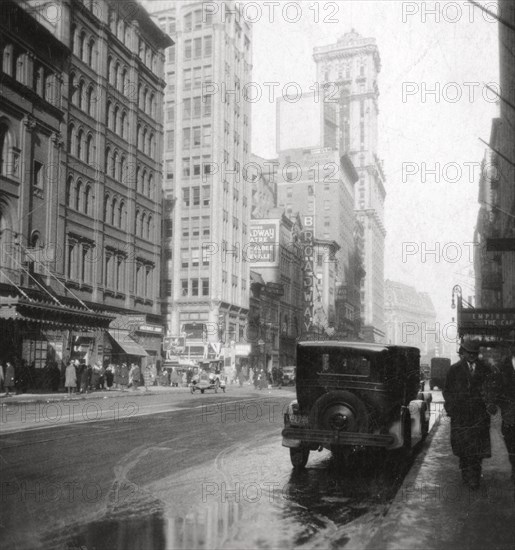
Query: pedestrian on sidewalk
point(124, 376)
point(507, 405)
point(134, 376)
point(70, 378)
point(148, 377)
point(469, 404)
point(9, 378)
point(109, 376)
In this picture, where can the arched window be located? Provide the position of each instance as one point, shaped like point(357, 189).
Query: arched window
point(71, 138)
point(138, 178)
point(110, 70)
point(91, 54)
point(114, 211)
point(137, 223)
point(148, 104)
point(123, 174)
point(107, 166)
point(128, 37)
point(72, 89)
point(152, 147)
point(106, 209)
point(124, 81)
point(69, 192)
point(143, 225)
point(90, 101)
point(121, 215)
point(119, 84)
point(143, 182)
point(124, 125)
point(153, 106)
point(121, 30)
point(116, 166)
point(109, 112)
point(151, 186)
point(87, 200)
point(140, 139)
point(7, 158)
point(81, 50)
point(79, 149)
point(80, 99)
point(78, 197)
point(149, 228)
point(73, 38)
point(19, 67)
point(145, 141)
point(145, 99)
point(115, 127)
point(112, 20)
point(90, 149)
point(140, 96)
point(116, 73)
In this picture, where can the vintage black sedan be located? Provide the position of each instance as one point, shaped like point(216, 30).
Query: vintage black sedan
point(352, 396)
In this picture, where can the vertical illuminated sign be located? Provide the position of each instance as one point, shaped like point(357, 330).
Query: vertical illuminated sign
point(307, 260)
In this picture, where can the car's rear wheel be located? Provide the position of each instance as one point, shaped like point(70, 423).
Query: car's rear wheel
point(299, 457)
point(201, 391)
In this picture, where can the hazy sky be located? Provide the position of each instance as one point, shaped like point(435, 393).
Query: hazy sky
point(455, 51)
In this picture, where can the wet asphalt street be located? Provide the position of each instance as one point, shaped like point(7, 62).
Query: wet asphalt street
point(179, 471)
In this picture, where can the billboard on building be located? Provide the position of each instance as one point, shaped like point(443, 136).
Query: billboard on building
point(263, 244)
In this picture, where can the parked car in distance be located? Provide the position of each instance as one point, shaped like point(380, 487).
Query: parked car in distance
point(439, 368)
point(289, 374)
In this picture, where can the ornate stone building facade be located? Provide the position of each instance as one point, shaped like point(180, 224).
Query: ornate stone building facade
point(81, 135)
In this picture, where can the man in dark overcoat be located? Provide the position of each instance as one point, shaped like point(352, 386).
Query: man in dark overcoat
point(507, 405)
point(468, 403)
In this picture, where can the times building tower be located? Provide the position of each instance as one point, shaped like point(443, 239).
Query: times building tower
point(347, 72)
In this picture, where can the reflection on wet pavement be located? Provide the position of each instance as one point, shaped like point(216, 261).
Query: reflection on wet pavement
point(247, 498)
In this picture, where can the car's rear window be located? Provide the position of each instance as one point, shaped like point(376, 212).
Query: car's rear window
point(346, 362)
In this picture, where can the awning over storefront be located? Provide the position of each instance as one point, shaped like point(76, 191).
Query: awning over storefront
point(52, 315)
point(129, 346)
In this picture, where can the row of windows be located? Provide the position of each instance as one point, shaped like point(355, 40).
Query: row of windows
point(191, 196)
point(195, 49)
point(19, 65)
point(117, 120)
point(146, 141)
point(81, 259)
point(194, 229)
point(193, 287)
point(84, 47)
point(201, 107)
point(195, 20)
point(80, 144)
point(79, 196)
point(193, 79)
point(192, 167)
point(196, 136)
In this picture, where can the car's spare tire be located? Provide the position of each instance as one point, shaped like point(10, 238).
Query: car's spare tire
point(339, 410)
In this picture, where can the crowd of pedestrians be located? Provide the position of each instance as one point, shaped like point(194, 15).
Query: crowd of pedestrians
point(76, 376)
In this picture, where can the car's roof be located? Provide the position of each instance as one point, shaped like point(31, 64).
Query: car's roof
point(364, 346)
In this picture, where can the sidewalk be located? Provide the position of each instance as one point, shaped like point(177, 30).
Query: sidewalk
point(434, 510)
point(61, 395)
point(51, 397)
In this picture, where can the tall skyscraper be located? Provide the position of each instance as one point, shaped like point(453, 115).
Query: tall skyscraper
point(347, 72)
point(207, 196)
